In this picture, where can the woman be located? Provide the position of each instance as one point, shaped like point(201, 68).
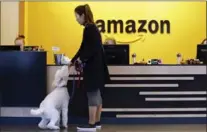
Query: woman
point(95, 71)
point(20, 42)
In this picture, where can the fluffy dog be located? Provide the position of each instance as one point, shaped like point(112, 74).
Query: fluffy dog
point(55, 103)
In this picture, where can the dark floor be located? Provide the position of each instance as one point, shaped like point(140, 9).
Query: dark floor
point(116, 128)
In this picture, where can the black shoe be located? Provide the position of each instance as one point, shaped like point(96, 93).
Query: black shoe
point(87, 128)
point(98, 125)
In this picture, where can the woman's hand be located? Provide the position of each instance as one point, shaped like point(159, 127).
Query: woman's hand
point(79, 61)
point(69, 65)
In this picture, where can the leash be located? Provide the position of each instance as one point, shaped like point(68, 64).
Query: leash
point(79, 69)
point(73, 89)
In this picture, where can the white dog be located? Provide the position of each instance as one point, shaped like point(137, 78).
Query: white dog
point(55, 103)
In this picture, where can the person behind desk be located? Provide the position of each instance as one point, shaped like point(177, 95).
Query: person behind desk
point(95, 71)
point(20, 40)
point(204, 41)
point(110, 41)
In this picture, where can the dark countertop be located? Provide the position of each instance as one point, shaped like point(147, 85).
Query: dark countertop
point(143, 65)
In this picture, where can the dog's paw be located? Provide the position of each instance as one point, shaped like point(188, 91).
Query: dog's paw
point(42, 127)
point(53, 127)
point(65, 126)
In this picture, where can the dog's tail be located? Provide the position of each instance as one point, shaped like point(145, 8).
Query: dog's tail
point(37, 112)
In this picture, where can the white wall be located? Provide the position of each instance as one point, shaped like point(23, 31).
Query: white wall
point(9, 22)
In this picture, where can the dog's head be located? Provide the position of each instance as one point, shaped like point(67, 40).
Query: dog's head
point(65, 60)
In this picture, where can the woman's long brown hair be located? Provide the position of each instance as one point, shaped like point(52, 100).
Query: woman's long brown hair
point(86, 10)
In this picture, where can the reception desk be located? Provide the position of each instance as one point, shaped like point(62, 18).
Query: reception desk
point(147, 94)
point(173, 94)
point(22, 79)
point(22, 84)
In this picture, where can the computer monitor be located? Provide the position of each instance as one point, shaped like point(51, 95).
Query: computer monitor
point(31, 48)
point(117, 54)
point(202, 53)
point(9, 48)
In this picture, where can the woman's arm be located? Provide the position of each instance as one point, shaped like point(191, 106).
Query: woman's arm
point(77, 54)
point(91, 42)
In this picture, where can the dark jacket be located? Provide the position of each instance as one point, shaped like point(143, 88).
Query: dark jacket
point(95, 71)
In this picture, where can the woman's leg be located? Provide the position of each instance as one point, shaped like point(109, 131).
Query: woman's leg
point(99, 107)
point(98, 113)
point(93, 103)
point(92, 115)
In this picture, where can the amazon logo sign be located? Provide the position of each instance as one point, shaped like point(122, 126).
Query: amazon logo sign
point(139, 27)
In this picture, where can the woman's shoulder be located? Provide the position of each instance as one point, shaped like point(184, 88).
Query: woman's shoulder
point(90, 26)
point(91, 29)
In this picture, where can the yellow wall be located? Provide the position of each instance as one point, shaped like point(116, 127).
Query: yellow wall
point(53, 24)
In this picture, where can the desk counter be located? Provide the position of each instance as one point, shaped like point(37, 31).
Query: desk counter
point(137, 95)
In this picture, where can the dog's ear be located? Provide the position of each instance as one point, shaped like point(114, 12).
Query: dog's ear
point(57, 78)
